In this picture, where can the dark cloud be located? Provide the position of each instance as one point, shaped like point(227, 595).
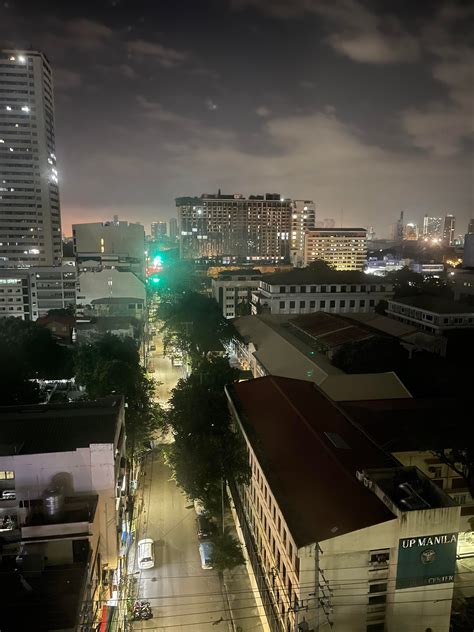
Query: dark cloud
point(368, 112)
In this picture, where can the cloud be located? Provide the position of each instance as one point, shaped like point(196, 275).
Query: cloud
point(354, 31)
point(66, 79)
point(441, 127)
point(86, 34)
point(308, 85)
point(262, 111)
point(127, 71)
point(166, 57)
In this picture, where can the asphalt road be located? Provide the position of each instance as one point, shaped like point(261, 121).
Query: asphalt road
point(163, 371)
point(183, 596)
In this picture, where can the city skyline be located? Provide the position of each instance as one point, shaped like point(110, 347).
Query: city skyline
point(368, 115)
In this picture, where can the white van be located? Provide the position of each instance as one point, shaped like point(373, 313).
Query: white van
point(206, 550)
point(146, 556)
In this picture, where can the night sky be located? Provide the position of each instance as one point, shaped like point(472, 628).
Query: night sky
point(365, 107)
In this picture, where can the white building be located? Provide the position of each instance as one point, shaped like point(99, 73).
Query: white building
point(124, 242)
point(31, 293)
point(303, 218)
point(432, 228)
point(338, 533)
point(30, 222)
point(232, 290)
point(431, 313)
point(342, 248)
point(108, 285)
point(303, 291)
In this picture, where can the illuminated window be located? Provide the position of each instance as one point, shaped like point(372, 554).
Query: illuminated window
point(6, 475)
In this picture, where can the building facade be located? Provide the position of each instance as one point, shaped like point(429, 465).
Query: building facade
point(432, 314)
point(432, 227)
point(173, 228)
point(30, 221)
point(109, 286)
point(344, 536)
point(123, 241)
point(342, 248)
point(305, 291)
point(303, 218)
point(233, 291)
point(31, 293)
point(449, 229)
point(256, 228)
point(158, 230)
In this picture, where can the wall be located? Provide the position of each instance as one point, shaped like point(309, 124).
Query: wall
point(108, 284)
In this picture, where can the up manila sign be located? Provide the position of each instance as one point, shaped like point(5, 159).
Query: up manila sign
point(426, 560)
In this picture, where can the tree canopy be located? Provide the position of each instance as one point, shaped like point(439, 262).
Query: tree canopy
point(409, 283)
point(112, 365)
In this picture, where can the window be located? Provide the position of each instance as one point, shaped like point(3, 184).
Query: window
point(312, 304)
point(292, 304)
point(322, 304)
point(303, 304)
point(323, 288)
point(378, 588)
point(333, 288)
point(292, 289)
point(373, 288)
point(282, 304)
point(282, 289)
point(353, 288)
point(352, 303)
point(343, 288)
point(375, 627)
point(372, 303)
point(312, 289)
point(7, 475)
point(362, 303)
point(362, 288)
point(303, 289)
point(342, 303)
point(377, 599)
point(332, 303)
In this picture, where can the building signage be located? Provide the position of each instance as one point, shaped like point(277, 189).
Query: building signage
point(426, 560)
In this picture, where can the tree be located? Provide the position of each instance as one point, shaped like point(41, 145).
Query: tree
point(462, 462)
point(376, 354)
point(381, 307)
point(227, 552)
point(206, 451)
point(408, 283)
point(112, 365)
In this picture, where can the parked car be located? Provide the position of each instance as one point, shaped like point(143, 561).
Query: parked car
point(204, 527)
point(199, 507)
point(206, 551)
point(145, 554)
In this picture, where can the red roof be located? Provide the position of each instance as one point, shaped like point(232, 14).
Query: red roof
point(310, 452)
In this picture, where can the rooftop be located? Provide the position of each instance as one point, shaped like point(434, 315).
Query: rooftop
point(406, 425)
point(309, 276)
point(242, 272)
point(435, 304)
point(108, 323)
point(336, 230)
point(46, 428)
point(116, 300)
point(310, 453)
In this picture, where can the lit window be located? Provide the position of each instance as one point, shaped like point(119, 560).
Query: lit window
point(12, 58)
point(7, 107)
point(10, 148)
point(6, 475)
point(25, 108)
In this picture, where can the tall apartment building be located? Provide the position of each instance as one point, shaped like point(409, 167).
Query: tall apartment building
point(114, 243)
point(342, 248)
point(173, 228)
point(448, 230)
point(303, 219)
point(432, 227)
point(30, 221)
point(256, 228)
point(340, 535)
point(158, 230)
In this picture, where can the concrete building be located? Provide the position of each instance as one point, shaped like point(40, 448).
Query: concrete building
point(122, 241)
point(158, 230)
point(305, 290)
point(342, 248)
point(432, 228)
point(30, 220)
point(431, 313)
point(463, 285)
point(31, 293)
point(468, 256)
point(256, 228)
point(93, 288)
point(339, 534)
point(232, 290)
point(303, 218)
point(301, 347)
point(173, 228)
point(449, 229)
point(66, 453)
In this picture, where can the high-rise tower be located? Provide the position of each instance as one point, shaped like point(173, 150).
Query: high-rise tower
point(30, 221)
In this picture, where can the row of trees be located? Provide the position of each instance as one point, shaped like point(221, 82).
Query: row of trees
point(206, 452)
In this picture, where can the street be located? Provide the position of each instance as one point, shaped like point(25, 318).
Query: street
point(161, 369)
point(182, 595)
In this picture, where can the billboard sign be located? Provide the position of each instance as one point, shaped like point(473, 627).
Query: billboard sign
point(426, 560)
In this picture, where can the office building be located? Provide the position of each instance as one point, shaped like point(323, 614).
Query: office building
point(123, 242)
point(256, 228)
point(339, 534)
point(65, 467)
point(303, 291)
point(232, 290)
point(448, 230)
point(31, 293)
point(158, 230)
point(30, 221)
point(432, 228)
point(342, 248)
point(173, 227)
point(411, 232)
point(303, 218)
